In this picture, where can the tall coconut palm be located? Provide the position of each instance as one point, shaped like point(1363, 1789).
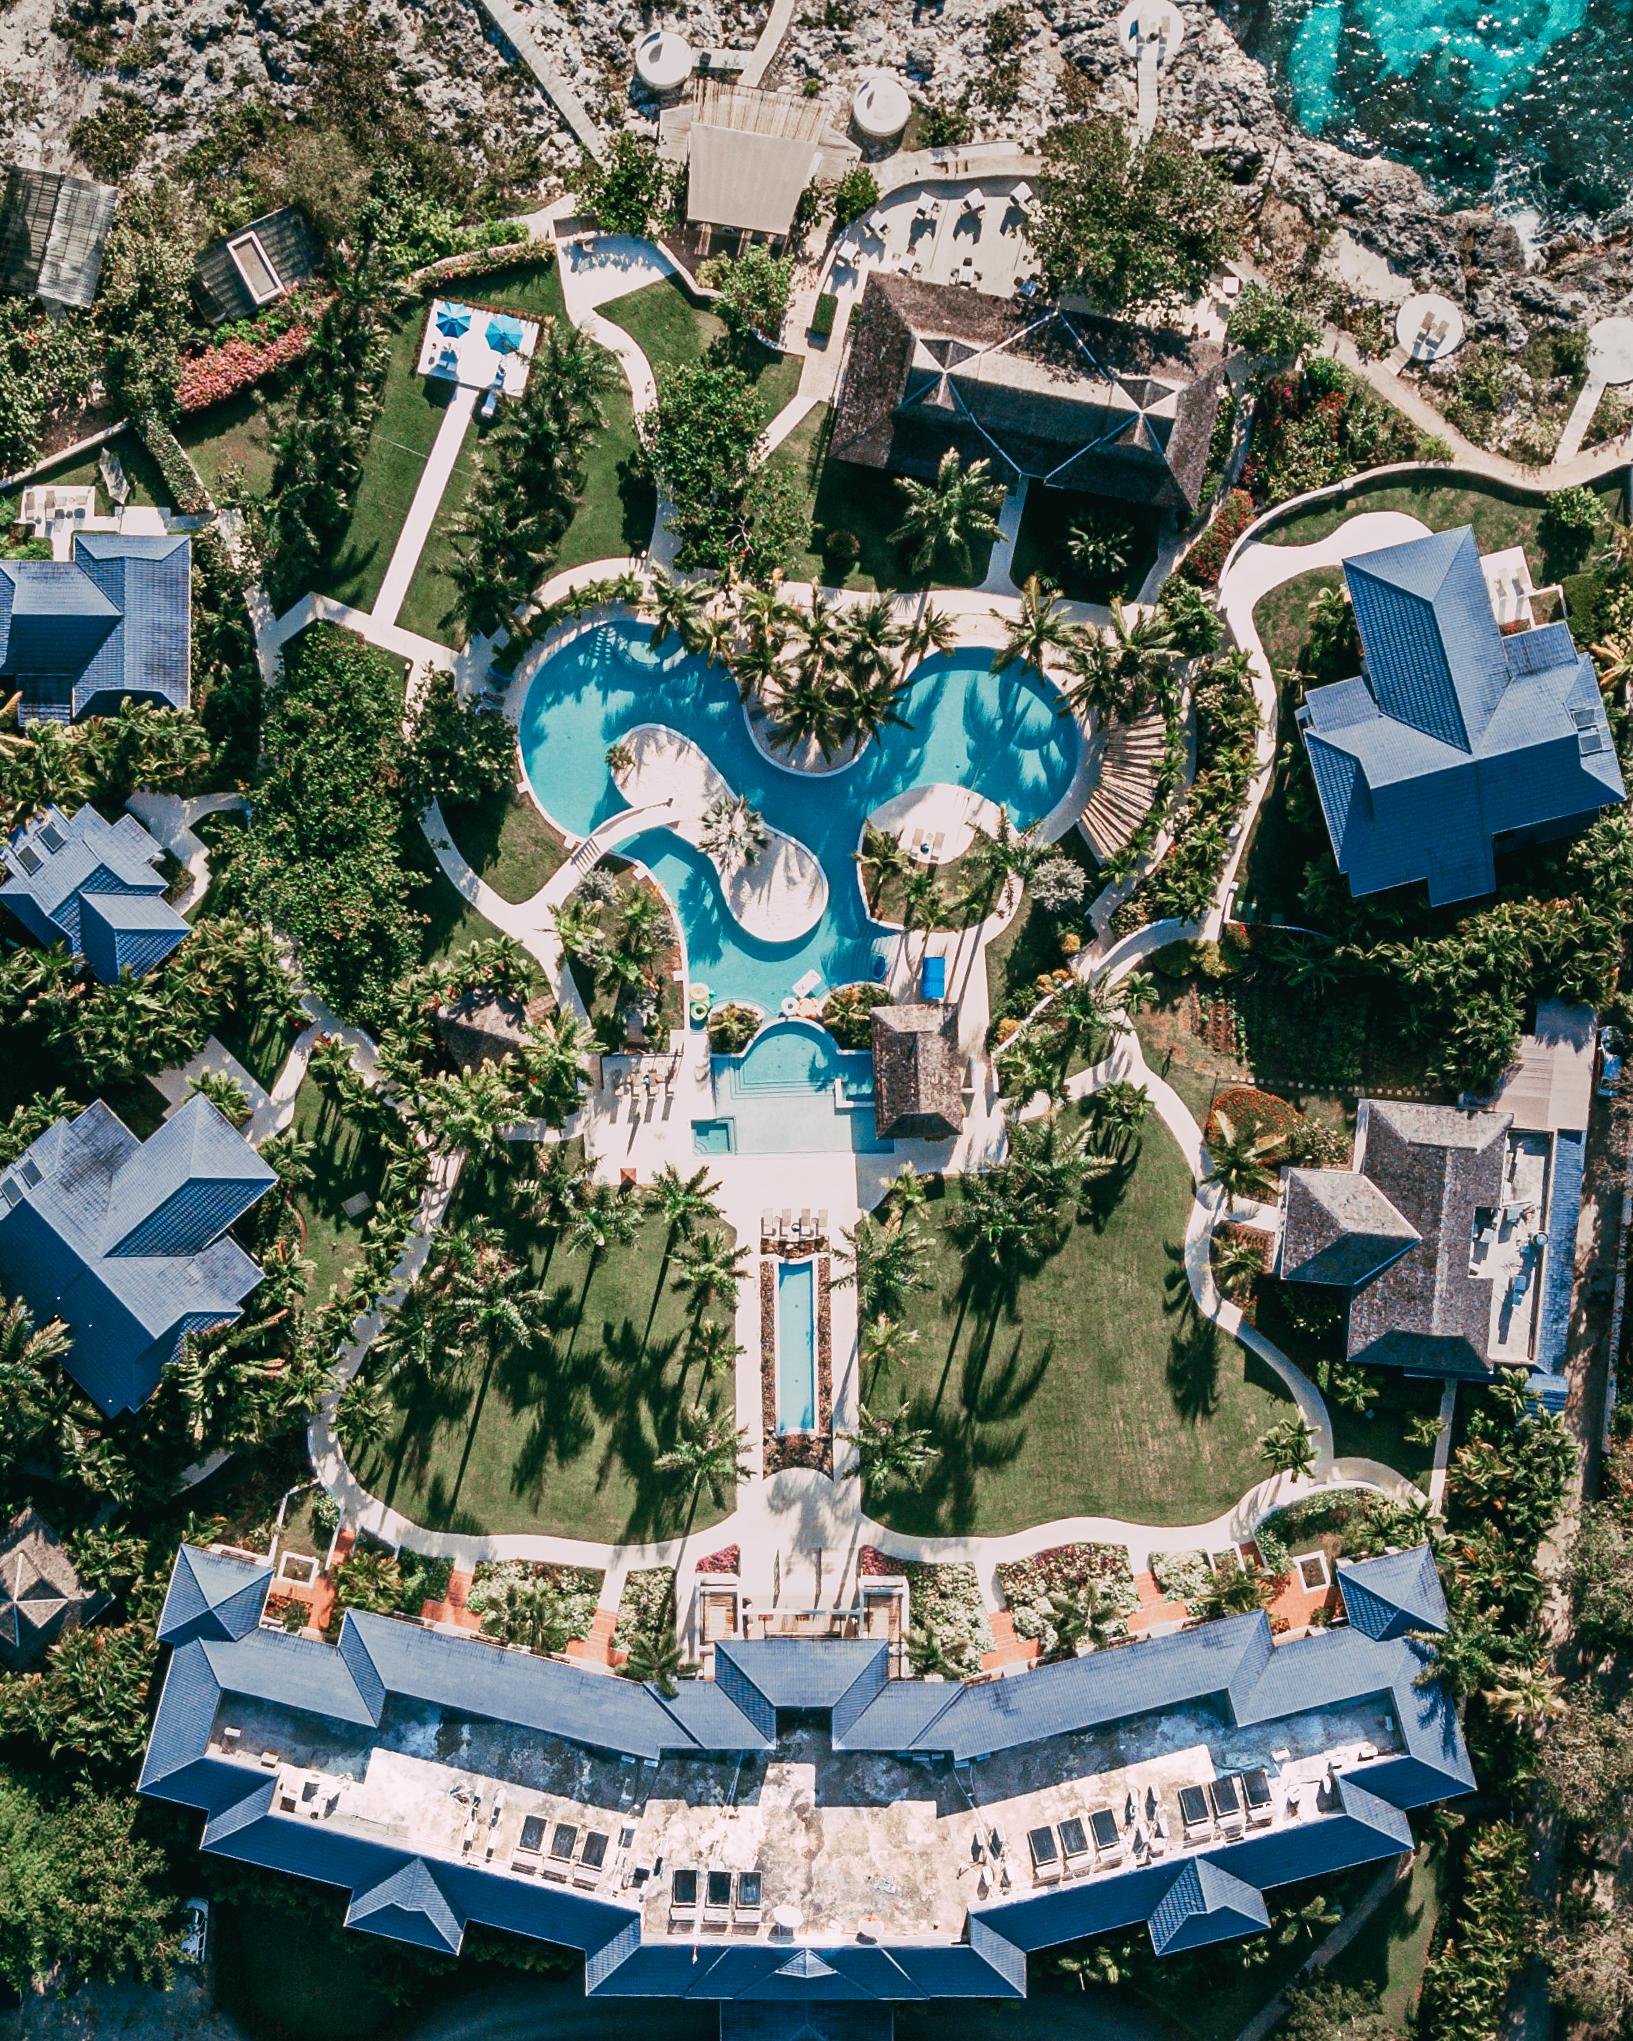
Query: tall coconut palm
point(928, 630)
point(552, 1058)
point(709, 1268)
point(676, 609)
point(886, 1259)
point(734, 834)
point(1038, 630)
point(807, 711)
point(1529, 1696)
point(866, 702)
point(1289, 1446)
point(708, 1453)
point(655, 1659)
point(603, 1218)
point(872, 639)
point(1088, 1614)
point(890, 1448)
point(682, 1202)
point(947, 518)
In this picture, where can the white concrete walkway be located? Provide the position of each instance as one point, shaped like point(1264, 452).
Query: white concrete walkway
point(422, 512)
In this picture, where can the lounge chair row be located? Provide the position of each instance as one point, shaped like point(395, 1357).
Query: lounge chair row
point(578, 1855)
point(730, 1899)
point(793, 1229)
point(1227, 1805)
point(1071, 1848)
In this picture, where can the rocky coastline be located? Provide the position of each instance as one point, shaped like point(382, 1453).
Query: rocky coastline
point(1015, 67)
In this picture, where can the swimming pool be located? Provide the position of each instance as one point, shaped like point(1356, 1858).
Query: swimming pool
point(796, 1346)
point(793, 1091)
point(999, 733)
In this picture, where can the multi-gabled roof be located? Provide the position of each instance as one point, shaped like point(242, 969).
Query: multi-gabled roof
point(125, 1240)
point(94, 885)
point(1397, 1232)
point(1453, 735)
point(221, 1671)
point(111, 623)
point(1072, 400)
point(40, 1593)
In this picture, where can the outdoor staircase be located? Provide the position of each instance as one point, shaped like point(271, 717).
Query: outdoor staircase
point(1155, 1611)
point(1128, 782)
point(455, 1608)
point(1008, 1652)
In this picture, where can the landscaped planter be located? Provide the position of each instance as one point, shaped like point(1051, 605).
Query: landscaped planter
point(796, 1449)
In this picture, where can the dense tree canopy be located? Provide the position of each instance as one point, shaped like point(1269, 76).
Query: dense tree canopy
point(1128, 223)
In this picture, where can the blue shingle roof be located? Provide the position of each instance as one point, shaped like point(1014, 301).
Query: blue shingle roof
point(211, 1617)
point(124, 1240)
point(1454, 735)
point(94, 885)
point(111, 623)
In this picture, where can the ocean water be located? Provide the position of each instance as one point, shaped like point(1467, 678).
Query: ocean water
point(1526, 103)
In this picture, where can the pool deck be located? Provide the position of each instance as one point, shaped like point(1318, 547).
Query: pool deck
point(778, 898)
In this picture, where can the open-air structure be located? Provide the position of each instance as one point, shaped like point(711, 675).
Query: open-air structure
point(53, 234)
point(802, 1827)
point(749, 156)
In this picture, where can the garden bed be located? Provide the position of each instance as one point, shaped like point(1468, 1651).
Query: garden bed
point(646, 1605)
point(946, 1601)
point(567, 1595)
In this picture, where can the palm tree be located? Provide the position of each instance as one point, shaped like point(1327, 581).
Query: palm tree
point(713, 1345)
point(1102, 547)
point(928, 630)
point(1120, 1106)
point(363, 1415)
point(708, 1268)
point(1118, 674)
point(552, 1057)
point(708, 1453)
point(823, 636)
point(1289, 1447)
point(887, 1341)
point(807, 711)
point(884, 857)
point(1086, 1614)
point(1469, 1658)
point(866, 703)
point(1310, 1921)
point(655, 1659)
point(932, 1655)
point(872, 637)
point(734, 834)
point(676, 609)
point(1237, 1266)
point(603, 1218)
point(1236, 1592)
point(1037, 630)
point(556, 1188)
point(682, 1202)
point(946, 518)
point(886, 1260)
point(1240, 1157)
point(891, 1448)
point(531, 1612)
point(1528, 1696)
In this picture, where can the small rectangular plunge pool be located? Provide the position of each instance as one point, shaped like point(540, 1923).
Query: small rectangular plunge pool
point(796, 1346)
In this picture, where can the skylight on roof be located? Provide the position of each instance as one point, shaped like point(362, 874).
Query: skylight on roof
point(29, 859)
point(51, 836)
point(254, 265)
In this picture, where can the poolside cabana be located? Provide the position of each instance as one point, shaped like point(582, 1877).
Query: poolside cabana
point(917, 1072)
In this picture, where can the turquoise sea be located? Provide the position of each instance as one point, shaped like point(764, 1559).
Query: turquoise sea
point(1528, 103)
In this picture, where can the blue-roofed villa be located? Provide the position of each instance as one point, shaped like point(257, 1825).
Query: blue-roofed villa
point(111, 622)
point(126, 1241)
point(95, 885)
point(801, 1826)
point(1471, 728)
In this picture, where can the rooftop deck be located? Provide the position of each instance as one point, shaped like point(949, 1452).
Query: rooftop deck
point(844, 1844)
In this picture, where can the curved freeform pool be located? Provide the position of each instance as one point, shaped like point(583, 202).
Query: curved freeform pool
point(999, 733)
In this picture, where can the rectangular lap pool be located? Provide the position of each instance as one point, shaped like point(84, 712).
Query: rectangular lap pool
point(796, 1346)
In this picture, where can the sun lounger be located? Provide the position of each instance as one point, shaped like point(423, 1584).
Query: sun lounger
point(1226, 1798)
point(1193, 1811)
point(1108, 1841)
point(717, 1899)
point(746, 1907)
point(683, 1899)
point(1074, 1846)
point(1045, 1855)
point(591, 1859)
point(1261, 1808)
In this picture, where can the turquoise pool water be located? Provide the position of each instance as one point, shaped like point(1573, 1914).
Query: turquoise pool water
point(796, 1346)
point(998, 733)
point(783, 1097)
point(1528, 102)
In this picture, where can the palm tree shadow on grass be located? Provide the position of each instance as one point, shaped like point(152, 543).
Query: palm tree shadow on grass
point(983, 1433)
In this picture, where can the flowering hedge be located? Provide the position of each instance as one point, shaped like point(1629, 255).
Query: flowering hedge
point(1202, 564)
point(239, 363)
point(1255, 1113)
point(724, 1561)
point(1061, 1568)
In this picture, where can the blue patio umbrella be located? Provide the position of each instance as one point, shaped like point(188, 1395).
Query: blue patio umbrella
point(504, 336)
point(453, 320)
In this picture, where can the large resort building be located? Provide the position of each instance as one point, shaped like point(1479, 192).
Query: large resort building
point(1065, 399)
point(801, 1827)
point(1475, 724)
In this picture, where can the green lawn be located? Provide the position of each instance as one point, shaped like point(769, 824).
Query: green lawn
point(411, 408)
point(1091, 1387)
point(235, 434)
point(1046, 525)
point(1386, 1958)
point(846, 497)
point(615, 511)
point(561, 1437)
point(261, 1040)
point(451, 923)
point(508, 843)
point(147, 485)
point(346, 1159)
point(1500, 516)
point(672, 332)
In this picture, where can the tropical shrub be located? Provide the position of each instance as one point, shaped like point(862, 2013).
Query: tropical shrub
point(846, 1013)
point(1466, 1982)
point(1202, 564)
point(731, 1028)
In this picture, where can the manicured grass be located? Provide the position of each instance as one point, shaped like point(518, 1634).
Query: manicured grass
point(1046, 525)
point(1386, 1958)
point(236, 434)
point(261, 1040)
point(560, 1437)
point(508, 843)
point(846, 497)
point(147, 485)
point(411, 409)
point(346, 1159)
point(672, 332)
point(1500, 517)
point(1088, 1385)
point(451, 923)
